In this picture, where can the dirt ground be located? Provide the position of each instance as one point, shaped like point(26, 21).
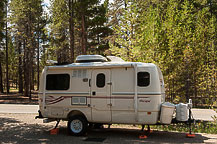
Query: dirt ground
point(16, 98)
point(23, 128)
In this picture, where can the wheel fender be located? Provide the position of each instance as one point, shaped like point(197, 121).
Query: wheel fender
point(76, 112)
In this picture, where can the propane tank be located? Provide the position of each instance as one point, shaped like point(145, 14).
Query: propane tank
point(182, 112)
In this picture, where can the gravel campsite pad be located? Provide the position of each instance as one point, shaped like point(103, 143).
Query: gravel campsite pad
point(24, 128)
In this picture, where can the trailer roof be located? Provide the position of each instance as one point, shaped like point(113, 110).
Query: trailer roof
point(101, 65)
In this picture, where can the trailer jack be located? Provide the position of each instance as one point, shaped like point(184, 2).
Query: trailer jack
point(190, 135)
point(55, 130)
point(148, 130)
point(58, 121)
point(39, 115)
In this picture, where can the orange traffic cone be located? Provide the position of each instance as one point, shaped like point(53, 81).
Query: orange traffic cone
point(190, 135)
point(143, 137)
point(54, 131)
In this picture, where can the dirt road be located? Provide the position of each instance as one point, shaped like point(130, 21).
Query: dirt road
point(23, 128)
point(18, 108)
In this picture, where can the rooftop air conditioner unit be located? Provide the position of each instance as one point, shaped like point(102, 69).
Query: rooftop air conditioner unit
point(90, 58)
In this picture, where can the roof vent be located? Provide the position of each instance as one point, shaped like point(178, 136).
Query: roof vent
point(114, 59)
point(90, 58)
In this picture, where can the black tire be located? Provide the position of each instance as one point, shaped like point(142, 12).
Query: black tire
point(77, 125)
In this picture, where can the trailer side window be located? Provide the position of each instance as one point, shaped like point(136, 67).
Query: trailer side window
point(143, 79)
point(100, 80)
point(57, 81)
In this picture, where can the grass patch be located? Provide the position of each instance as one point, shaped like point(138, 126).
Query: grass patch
point(199, 127)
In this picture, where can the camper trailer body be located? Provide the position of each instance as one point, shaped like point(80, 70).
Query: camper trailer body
point(103, 92)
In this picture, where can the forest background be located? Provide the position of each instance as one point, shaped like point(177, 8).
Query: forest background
point(180, 36)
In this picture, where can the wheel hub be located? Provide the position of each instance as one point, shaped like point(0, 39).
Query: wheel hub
point(76, 126)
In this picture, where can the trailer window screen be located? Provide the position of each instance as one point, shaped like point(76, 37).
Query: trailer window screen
point(143, 79)
point(100, 80)
point(57, 81)
point(79, 100)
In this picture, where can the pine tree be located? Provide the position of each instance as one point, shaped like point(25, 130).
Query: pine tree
point(125, 40)
point(59, 30)
point(2, 17)
point(179, 36)
point(24, 16)
point(2, 23)
point(97, 30)
point(78, 27)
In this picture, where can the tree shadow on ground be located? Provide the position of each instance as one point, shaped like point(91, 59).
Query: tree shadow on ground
point(14, 131)
point(132, 136)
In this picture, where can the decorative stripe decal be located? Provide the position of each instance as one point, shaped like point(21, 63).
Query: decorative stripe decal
point(51, 100)
point(82, 93)
point(115, 93)
point(131, 93)
point(56, 101)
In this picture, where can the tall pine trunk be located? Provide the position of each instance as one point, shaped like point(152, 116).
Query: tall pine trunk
point(71, 29)
point(20, 70)
point(83, 40)
point(38, 64)
point(26, 70)
point(7, 77)
point(32, 76)
point(1, 84)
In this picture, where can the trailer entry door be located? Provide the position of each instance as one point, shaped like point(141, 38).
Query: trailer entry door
point(101, 95)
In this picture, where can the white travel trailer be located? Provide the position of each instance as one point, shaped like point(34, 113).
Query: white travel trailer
point(101, 90)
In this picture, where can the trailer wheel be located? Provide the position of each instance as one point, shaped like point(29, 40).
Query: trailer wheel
point(77, 125)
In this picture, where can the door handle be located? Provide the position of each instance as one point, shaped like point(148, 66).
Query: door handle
point(93, 93)
point(110, 104)
point(109, 83)
point(89, 82)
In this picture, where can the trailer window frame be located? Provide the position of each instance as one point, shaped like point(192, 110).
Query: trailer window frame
point(79, 100)
point(100, 80)
point(57, 82)
point(143, 79)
